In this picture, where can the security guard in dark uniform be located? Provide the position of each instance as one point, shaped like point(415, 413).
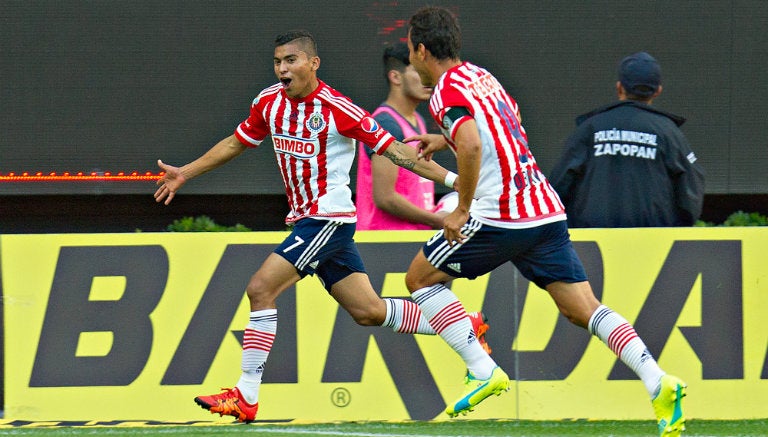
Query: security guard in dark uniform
point(628, 164)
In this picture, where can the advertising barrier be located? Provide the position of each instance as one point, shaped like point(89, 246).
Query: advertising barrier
point(134, 326)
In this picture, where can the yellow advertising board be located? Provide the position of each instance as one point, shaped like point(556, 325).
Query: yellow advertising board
point(134, 326)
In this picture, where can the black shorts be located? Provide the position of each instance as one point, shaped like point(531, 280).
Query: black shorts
point(543, 254)
point(325, 247)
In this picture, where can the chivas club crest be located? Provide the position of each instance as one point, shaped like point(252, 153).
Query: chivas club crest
point(315, 122)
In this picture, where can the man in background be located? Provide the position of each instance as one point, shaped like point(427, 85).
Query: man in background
point(628, 164)
point(388, 196)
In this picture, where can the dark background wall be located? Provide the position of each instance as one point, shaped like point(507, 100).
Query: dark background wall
point(115, 85)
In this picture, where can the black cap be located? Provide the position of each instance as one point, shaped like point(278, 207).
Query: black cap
point(640, 74)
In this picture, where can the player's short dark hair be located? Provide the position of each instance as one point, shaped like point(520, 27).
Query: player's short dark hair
point(395, 58)
point(307, 41)
point(438, 29)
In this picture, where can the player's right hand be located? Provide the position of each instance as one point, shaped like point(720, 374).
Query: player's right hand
point(169, 183)
point(428, 144)
point(452, 225)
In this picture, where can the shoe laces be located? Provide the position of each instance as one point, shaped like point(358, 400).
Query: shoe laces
point(226, 402)
point(225, 394)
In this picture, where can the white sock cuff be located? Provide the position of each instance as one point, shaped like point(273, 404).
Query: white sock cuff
point(392, 311)
point(423, 294)
point(262, 313)
point(601, 312)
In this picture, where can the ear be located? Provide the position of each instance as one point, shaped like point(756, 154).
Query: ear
point(315, 63)
point(394, 77)
point(620, 91)
point(421, 52)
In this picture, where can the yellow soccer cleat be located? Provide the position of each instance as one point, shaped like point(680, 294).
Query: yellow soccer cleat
point(477, 390)
point(668, 406)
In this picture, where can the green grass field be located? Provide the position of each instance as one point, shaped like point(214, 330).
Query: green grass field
point(457, 428)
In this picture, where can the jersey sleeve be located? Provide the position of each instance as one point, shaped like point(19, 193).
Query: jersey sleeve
point(454, 117)
point(356, 123)
point(451, 110)
point(252, 131)
point(388, 124)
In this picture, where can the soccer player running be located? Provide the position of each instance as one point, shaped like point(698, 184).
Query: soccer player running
point(313, 129)
point(517, 217)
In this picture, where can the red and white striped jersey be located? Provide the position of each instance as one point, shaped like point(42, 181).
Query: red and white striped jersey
point(511, 192)
point(314, 141)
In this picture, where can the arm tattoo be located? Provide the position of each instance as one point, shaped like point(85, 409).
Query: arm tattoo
point(398, 160)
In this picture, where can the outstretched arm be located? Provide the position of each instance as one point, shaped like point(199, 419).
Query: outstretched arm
point(175, 177)
point(407, 157)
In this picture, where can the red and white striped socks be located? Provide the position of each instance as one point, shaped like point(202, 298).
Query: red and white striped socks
point(257, 342)
point(621, 338)
point(448, 317)
point(405, 317)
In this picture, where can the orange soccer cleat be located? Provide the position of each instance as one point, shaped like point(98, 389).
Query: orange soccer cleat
point(229, 402)
point(480, 326)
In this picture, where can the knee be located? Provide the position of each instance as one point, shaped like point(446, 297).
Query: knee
point(414, 282)
point(574, 317)
point(422, 274)
point(576, 301)
point(580, 314)
point(257, 292)
point(410, 283)
point(371, 312)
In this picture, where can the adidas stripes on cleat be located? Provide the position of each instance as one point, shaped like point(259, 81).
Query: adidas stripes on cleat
point(477, 390)
point(231, 403)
